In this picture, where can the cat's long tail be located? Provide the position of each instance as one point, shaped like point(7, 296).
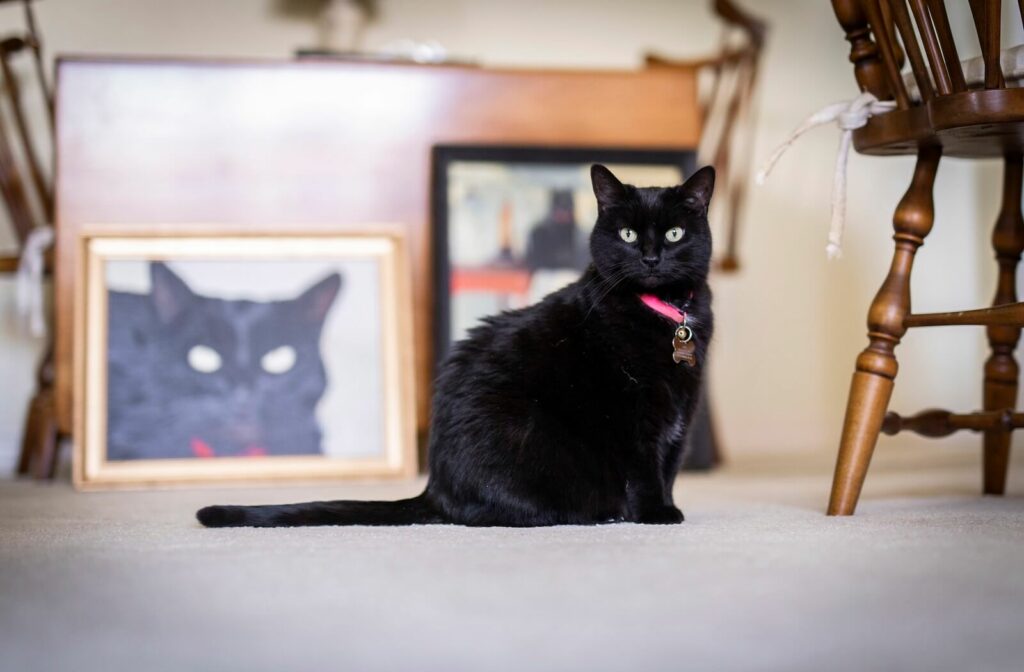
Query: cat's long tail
point(415, 511)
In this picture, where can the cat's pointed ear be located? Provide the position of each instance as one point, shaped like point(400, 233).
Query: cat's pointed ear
point(697, 190)
point(319, 298)
point(607, 188)
point(169, 292)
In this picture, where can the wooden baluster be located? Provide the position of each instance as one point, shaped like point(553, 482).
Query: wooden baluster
point(37, 55)
point(890, 30)
point(1001, 369)
point(993, 22)
point(994, 75)
point(931, 46)
point(12, 190)
point(876, 366)
point(13, 91)
point(934, 424)
point(867, 67)
point(917, 65)
point(937, 11)
point(1003, 315)
point(890, 59)
point(987, 19)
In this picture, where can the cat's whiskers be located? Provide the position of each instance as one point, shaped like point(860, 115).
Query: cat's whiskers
point(618, 279)
point(597, 280)
point(601, 279)
point(615, 279)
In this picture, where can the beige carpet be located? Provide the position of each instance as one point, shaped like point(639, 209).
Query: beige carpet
point(928, 576)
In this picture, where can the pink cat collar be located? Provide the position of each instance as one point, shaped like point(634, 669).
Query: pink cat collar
point(662, 308)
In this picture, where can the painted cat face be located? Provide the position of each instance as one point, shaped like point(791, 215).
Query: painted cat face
point(226, 377)
point(652, 237)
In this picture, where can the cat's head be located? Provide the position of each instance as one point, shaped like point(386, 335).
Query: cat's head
point(652, 237)
point(247, 374)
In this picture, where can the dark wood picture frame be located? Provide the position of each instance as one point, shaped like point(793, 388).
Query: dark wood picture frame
point(444, 155)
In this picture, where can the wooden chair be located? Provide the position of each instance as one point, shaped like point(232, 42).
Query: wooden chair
point(27, 194)
point(727, 118)
point(939, 112)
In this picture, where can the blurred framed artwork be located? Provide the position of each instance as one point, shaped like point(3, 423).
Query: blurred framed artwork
point(228, 357)
point(512, 224)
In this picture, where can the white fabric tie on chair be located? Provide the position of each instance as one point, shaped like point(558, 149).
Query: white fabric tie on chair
point(848, 115)
point(30, 279)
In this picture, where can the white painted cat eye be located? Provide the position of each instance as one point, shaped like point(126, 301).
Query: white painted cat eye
point(627, 234)
point(674, 235)
point(279, 360)
point(204, 359)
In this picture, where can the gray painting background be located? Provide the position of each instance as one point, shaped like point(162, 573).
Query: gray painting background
point(351, 412)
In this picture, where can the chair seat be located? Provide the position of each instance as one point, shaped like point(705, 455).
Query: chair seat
point(972, 124)
point(976, 123)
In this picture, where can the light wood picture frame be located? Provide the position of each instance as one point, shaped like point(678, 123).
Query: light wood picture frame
point(209, 356)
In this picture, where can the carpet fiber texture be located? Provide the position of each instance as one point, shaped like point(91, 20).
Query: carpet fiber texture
point(927, 576)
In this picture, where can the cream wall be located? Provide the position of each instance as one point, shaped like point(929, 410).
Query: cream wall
point(791, 323)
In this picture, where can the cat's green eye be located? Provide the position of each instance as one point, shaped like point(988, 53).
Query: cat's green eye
point(279, 360)
point(627, 234)
point(204, 359)
point(674, 235)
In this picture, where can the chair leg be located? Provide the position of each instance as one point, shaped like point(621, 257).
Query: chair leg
point(27, 442)
point(1001, 369)
point(40, 439)
point(876, 366)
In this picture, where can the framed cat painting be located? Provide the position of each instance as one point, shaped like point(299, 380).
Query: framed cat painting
point(226, 357)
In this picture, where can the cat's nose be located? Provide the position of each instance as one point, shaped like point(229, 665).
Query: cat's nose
point(651, 261)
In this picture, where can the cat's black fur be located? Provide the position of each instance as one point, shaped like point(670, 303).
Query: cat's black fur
point(162, 407)
point(571, 411)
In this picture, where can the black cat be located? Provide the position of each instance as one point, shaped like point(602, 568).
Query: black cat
point(192, 376)
point(571, 411)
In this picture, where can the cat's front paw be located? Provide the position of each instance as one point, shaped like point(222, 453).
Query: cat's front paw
point(661, 515)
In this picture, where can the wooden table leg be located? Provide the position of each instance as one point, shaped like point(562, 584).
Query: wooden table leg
point(876, 366)
point(1001, 369)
